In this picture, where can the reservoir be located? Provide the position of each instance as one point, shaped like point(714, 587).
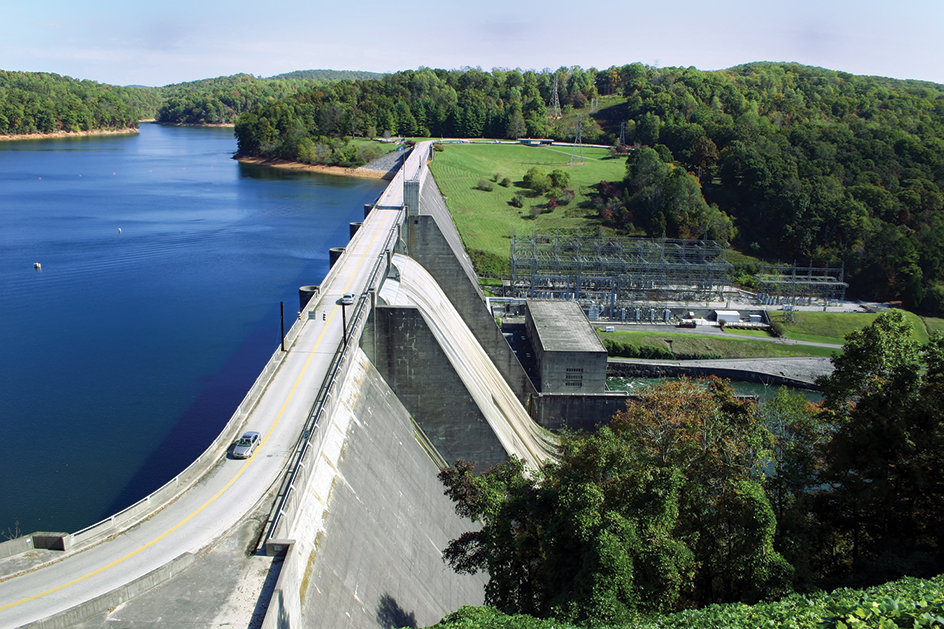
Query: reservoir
point(162, 263)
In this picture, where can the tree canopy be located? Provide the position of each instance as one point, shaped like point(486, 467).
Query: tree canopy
point(663, 509)
point(38, 102)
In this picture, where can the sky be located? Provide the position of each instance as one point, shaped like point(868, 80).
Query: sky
point(130, 42)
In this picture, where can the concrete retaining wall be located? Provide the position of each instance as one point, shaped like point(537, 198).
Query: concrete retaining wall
point(409, 358)
point(666, 370)
point(575, 411)
point(433, 241)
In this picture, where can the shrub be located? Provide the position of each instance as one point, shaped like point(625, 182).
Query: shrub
point(504, 183)
point(517, 201)
point(484, 185)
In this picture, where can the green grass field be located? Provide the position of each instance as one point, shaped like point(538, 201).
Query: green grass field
point(701, 344)
point(833, 327)
point(486, 220)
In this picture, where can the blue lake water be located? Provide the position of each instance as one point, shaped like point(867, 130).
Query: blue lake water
point(157, 305)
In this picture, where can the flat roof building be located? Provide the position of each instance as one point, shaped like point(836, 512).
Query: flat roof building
point(569, 354)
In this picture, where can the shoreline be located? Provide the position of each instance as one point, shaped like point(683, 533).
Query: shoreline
point(231, 125)
point(67, 134)
point(338, 171)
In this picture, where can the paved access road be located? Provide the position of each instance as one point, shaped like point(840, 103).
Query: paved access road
point(232, 487)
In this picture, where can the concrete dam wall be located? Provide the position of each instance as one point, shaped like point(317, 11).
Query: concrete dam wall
point(374, 560)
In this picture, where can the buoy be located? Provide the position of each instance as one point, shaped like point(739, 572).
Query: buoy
point(119, 230)
point(37, 266)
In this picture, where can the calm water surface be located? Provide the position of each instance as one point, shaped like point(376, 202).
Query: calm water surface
point(163, 264)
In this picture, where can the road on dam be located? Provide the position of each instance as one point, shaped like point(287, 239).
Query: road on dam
point(231, 487)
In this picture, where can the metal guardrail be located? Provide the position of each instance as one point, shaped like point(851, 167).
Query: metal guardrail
point(311, 439)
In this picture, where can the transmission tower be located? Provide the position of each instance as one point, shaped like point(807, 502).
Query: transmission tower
point(594, 103)
point(576, 153)
point(555, 101)
point(622, 139)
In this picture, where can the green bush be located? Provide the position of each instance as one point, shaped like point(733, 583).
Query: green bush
point(908, 602)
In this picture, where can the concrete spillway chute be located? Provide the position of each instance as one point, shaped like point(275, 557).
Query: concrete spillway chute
point(514, 428)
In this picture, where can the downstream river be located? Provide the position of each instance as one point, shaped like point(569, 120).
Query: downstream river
point(163, 262)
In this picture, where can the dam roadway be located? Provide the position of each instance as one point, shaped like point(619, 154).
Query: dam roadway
point(33, 589)
point(338, 519)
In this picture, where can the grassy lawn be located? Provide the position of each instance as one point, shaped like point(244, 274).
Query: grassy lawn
point(761, 333)
point(682, 343)
point(833, 327)
point(486, 220)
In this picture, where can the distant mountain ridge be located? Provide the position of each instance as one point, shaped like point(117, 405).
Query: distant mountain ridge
point(328, 75)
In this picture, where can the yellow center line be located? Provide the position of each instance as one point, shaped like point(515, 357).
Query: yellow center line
point(242, 469)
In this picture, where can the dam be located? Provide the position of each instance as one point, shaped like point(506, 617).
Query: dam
point(338, 519)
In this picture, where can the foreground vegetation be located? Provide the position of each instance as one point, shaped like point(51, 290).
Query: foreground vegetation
point(691, 497)
point(907, 603)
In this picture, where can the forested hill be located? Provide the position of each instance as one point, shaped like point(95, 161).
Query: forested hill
point(39, 102)
point(223, 99)
point(327, 75)
point(808, 163)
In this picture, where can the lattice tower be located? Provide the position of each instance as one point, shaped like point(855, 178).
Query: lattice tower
point(576, 153)
point(555, 101)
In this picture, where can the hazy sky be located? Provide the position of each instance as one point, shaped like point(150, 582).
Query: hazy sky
point(169, 41)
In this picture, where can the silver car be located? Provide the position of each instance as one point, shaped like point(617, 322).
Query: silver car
point(347, 299)
point(246, 445)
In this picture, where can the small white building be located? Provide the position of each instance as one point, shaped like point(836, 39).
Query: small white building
point(727, 316)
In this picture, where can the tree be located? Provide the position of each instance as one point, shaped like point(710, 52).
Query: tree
point(536, 180)
point(662, 509)
point(877, 357)
point(885, 461)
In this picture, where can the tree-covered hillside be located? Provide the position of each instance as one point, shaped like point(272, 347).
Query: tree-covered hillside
point(325, 76)
point(38, 102)
point(223, 99)
point(793, 162)
point(811, 164)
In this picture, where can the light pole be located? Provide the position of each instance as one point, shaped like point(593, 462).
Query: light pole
point(344, 322)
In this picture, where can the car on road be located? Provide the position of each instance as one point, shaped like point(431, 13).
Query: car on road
point(246, 445)
point(347, 299)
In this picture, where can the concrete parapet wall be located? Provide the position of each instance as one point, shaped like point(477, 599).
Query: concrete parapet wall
point(16, 546)
point(173, 488)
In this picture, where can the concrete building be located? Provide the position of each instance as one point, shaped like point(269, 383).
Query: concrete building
point(570, 356)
